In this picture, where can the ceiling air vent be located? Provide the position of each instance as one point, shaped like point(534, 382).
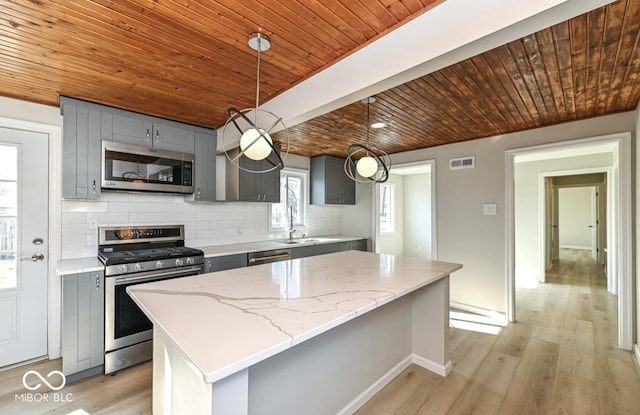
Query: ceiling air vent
point(462, 163)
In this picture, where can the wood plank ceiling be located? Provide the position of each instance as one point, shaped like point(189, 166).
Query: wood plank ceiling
point(189, 61)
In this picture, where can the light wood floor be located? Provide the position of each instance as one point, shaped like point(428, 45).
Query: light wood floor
point(560, 358)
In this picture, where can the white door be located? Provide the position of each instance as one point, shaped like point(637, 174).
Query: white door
point(23, 245)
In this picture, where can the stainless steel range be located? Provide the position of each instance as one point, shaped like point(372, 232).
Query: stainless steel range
point(136, 255)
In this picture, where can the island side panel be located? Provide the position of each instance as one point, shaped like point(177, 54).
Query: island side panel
point(178, 389)
point(430, 327)
point(337, 371)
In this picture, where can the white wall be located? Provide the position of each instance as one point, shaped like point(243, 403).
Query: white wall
point(392, 243)
point(358, 220)
point(527, 203)
point(575, 217)
point(417, 215)
point(464, 234)
point(26, 111)
point(206, 224)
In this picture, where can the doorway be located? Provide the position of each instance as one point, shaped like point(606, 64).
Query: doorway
point(405, 212)
point(575, 215)
point(24, 241)
point(619, 256)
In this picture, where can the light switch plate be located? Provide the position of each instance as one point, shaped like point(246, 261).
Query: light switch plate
point(490, 209)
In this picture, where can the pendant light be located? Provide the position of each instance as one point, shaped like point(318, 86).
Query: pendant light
point(367, 164)
point(255, 140)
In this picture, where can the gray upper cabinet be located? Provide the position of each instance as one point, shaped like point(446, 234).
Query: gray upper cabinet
point(259, 187)
point(86, 125)
point(329, 182)
point(204, 176)
point(83, 323)
point(145, 131)
point(81, 150)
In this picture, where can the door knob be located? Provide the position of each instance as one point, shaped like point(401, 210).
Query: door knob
point(38, 241)
point(38, 256)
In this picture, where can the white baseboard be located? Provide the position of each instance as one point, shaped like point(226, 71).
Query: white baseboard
point(584, 248)
point(492, 317)
point(379, 384)
point(636, 349)
point(432, 366)
point(376, 387)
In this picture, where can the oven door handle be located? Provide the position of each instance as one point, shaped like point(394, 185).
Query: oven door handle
point(153, 275)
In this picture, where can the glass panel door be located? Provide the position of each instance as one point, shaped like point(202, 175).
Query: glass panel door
point(8, 216)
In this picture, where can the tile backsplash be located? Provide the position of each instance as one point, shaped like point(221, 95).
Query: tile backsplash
point(206, 224)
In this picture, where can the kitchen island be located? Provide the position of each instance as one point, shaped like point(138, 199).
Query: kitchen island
point(317, 335)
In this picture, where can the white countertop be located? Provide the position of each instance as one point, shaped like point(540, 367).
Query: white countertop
point(91, 264)
point(226, 321)
point(78, 265)
point(245, 248)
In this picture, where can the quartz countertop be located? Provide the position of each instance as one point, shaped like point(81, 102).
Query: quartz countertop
point(78, 265)
point(226, 321)
point(91, 264)
point(245, 248)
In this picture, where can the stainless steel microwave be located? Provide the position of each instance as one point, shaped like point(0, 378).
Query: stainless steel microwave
point(137, 168)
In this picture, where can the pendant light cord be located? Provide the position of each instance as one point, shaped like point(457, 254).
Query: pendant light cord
point(255, 116)
point(368, 123)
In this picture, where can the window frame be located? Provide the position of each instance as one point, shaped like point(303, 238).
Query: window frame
point(304, 199)
point(391, 206)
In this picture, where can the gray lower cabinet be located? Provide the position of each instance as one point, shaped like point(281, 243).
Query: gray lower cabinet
point(329, 183)
point(82, 324)
point(81, 150)
point(357, 245)
point(221, 263)
point(312, 250)
point(321, 249)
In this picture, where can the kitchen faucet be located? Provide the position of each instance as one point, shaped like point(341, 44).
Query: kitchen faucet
point(291, 228)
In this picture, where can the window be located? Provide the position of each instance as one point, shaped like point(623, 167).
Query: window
point(293, 200)
point(387, 203)
point(8, 216)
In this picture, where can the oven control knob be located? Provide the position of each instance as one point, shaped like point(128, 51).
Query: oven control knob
point(179, 262)
point(190, 261)
point(123, 268)
point(137, 267)
point(159, 264)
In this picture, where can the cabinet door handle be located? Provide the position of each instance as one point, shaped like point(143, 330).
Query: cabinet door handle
point(198, 193)
point(157, 136)
point(97, 282)
point(94, 185)
point(148, 136)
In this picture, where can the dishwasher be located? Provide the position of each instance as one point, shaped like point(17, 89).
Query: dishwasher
point(265, 257)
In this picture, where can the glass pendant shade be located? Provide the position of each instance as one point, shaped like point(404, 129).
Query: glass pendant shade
point(367, 166)
point(255, 146)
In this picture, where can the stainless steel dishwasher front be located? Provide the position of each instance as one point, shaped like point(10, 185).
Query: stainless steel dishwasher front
point(265, 257)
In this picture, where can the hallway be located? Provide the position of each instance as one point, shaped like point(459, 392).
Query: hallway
point(561, 357)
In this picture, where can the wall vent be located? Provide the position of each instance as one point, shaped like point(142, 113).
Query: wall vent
point(462, 163)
